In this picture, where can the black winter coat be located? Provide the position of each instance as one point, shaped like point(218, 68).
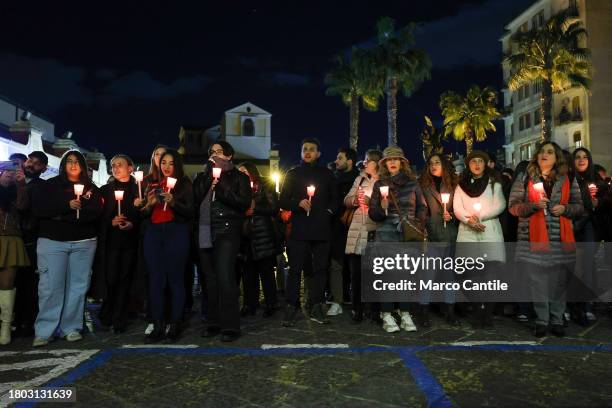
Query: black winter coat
point(262, 237)
point(317, 226)
point(232, 199)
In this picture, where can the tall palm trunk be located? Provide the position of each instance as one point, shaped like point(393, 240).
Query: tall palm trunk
point(546, 100)
point(469, 142)
point(392, 112)
point(354, 136)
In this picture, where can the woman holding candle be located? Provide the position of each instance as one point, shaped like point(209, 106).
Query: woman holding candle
point(357, 238)
point(12, 249)
point(117, 244)
point(219, 225)
point(166, 242)
point(586, 229)
point(478, 202)
point(545, 241)
point(438, 182)
point(404, 190)
point(66, 247)
point(260, 244)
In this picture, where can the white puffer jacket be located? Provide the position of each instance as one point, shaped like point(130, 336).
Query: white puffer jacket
point(357, 237)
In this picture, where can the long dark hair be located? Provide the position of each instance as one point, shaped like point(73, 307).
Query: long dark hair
point(559, 169)
point(83, 176)
point(179, 171)
point(589, 174)
point(153, 169)
point(449, 178)
point(254, 174)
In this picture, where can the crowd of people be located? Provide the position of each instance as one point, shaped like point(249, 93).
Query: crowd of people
point(136, 242)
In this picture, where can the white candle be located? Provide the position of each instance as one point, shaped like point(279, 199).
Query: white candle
point(384, 192)
point(310, 190)
point(539, 187)
point(119, 198)
point(216, 172)
point(170, 183)
point(477, 207)
point(276, 178)
point(78, 191)
point(445, 200)
point(139, 176)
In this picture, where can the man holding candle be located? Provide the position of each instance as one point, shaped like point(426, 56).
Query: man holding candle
point(311, 228)
point(117, 245)
point(219, 225)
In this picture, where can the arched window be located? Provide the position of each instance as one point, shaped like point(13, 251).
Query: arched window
point(576, 111)
point(248, 127)
point(577, 139)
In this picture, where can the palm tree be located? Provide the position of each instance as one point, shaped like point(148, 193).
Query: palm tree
point(354, 80)
point(403, 67)
point(470, 117)
point(432, 139)
point(552, 55)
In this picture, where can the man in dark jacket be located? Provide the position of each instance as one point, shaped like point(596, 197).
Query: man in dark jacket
point(345, 174)
point(26, 281)
point(311, 228)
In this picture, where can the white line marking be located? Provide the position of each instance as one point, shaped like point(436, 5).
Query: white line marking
point(299, 346)
point(8, 353)
point(169, 346)
point(487, 343)
point(69, 360)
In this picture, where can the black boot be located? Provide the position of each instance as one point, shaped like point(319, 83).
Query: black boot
point(174, 332)
point(157, 334)
point(451, 317)
point(425, 322)
point(487, 316)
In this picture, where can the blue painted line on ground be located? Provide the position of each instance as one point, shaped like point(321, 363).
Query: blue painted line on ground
point(424, 379)
point(434, 392)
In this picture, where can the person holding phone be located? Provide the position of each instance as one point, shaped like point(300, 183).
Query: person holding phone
point(117, 245)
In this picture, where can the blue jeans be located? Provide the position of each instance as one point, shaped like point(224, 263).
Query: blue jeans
point(64, 269)
point(166, 248)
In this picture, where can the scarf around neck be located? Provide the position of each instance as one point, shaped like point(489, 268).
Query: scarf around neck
point(475, 187)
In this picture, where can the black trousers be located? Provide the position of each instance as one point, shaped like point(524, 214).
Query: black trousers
point(300, 254)
point(120, 265)
point(253, 271)
point(354, 264)
point(26, 283)
point(219, 269)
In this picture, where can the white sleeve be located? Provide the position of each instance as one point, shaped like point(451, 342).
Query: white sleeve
point(497, 206)
point(460, 212)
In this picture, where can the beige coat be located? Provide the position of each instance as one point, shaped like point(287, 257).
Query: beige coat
point(357, 237)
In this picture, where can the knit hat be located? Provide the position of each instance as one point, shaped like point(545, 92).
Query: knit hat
point(8, 166)
point(393, 152)
point(475, 154)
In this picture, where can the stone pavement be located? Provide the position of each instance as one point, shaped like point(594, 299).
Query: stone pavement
point(354, 365)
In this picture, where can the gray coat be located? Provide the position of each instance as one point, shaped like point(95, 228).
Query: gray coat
point(410, 200)
point(435, 224)
point(521, 207)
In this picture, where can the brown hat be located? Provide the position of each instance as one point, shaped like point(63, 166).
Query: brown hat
point(474, 154)
point(393, 152)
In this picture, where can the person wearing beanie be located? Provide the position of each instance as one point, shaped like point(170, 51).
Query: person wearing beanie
point(406, 195)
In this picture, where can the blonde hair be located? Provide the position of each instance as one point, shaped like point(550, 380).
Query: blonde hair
point(559, 169)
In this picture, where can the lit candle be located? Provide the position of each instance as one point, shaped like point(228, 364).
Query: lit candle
point(445, 200)
point(276, 178)
point(78, 191)
point(119, 198)
point(592, 189)
point(139, 176)
point(170, 183)
point(310, 190)
point(384, 192)
point(477, 207)
point(216, 172)
point(539, 187)
point(252, 185)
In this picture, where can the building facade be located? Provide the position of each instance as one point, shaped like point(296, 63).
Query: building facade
point(579, 118)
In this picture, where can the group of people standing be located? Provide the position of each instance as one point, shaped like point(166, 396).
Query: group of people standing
point(134, 242)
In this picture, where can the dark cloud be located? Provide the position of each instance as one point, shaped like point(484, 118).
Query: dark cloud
point(46, 85)
point(287, 79)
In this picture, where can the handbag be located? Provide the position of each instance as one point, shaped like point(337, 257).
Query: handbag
point(411, 231)
point(347, 216)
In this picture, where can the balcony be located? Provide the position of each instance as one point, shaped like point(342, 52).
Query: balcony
point(566, 117)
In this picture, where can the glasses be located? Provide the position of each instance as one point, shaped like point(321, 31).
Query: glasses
point(218, 151)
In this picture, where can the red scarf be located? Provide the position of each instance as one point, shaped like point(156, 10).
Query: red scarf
point(538, 232)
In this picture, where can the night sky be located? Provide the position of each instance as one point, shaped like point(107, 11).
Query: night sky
point(125, 77)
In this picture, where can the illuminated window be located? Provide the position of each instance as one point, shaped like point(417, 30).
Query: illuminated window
point(577, 139)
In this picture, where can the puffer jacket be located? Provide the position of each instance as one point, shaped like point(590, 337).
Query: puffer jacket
point(521, 207)
point(493, 204)
point(263, 237)
point(232, 199)
point(410, 200)
point(357, 236)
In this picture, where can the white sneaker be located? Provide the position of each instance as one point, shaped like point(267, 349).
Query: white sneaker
point(89, 323)
point(389, 323)
point(39, 342)
point(407, 323)
point(334, 309)
point(74, 336)
point(149, 328)
point(590, 316)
